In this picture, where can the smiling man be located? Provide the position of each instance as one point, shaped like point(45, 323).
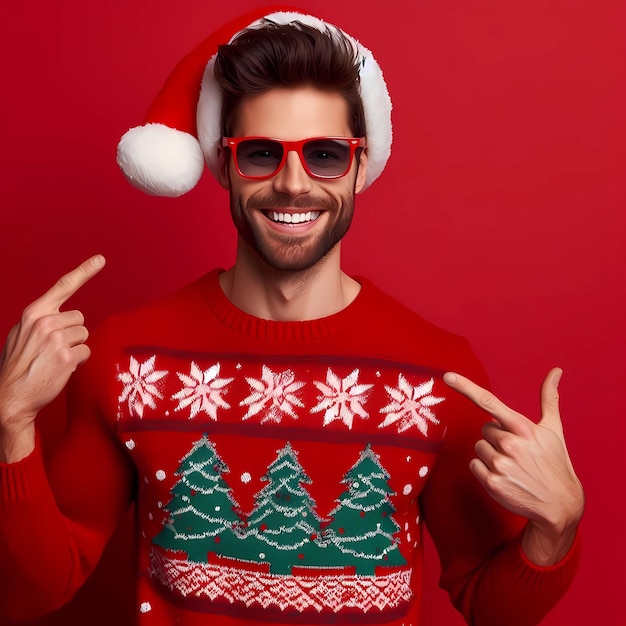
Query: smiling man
point(292, 207)
point(286, 430)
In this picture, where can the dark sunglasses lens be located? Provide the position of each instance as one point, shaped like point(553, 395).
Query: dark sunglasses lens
point(327, 158)
point(259, 157)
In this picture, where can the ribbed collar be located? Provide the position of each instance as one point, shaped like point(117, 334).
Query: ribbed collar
point(310, 330)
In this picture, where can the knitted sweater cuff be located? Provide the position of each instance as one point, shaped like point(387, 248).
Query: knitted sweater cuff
point(23, 480)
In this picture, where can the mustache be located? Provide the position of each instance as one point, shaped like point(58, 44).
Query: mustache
point(283, 201)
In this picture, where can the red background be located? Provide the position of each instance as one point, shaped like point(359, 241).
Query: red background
point(500, 215)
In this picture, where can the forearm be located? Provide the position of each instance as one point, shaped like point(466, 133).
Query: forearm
point(55, 523)
point(44, 557)
point(510, 589)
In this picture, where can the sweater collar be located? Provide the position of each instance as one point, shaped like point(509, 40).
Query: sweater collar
point(309, 330)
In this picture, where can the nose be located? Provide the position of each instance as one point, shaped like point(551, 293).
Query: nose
point(292, 178)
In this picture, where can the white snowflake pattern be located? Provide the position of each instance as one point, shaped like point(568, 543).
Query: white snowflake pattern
point(410, 406)
point(275, 393)
point(141, 385)
point(342, 398)
point(203, 391)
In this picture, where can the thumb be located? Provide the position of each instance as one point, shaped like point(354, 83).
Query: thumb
point(550, 414)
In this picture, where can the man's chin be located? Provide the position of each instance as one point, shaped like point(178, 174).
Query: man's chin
point(292, 261)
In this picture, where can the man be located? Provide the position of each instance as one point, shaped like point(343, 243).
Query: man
point(285, 429)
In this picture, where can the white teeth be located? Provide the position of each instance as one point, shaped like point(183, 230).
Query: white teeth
point(294, 218)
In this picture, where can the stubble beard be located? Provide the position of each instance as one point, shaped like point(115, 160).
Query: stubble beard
point(292, 253)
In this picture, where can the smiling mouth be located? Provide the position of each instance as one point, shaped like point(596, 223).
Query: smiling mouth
point(292, 218)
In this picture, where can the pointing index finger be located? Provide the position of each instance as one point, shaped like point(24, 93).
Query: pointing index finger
point(508, 418)
point(69, 284)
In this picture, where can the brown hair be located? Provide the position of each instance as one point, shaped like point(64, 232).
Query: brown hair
point(288, 55)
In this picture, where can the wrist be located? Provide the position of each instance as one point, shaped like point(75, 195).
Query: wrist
point(547, 539)
point(17, 432)
point(546, 545)
point(15, 449)
point(15, 445)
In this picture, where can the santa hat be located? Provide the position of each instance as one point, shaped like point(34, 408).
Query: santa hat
point(165, 156)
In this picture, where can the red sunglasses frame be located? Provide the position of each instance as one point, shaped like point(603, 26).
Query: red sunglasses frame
point(354, 143)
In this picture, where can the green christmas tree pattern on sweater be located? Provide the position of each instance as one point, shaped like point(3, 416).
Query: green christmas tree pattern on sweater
point(362, 528)
point(284, 529)
point(284, 524)
point(201, 508)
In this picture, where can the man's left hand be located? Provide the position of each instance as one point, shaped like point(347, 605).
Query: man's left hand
point(527, 469)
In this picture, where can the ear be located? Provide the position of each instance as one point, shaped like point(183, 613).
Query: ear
point(223, 165)
point(361, 172)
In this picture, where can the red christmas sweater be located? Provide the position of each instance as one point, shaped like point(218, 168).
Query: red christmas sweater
point(283, 473)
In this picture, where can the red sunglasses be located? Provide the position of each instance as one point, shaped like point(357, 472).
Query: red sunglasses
point(321, 157)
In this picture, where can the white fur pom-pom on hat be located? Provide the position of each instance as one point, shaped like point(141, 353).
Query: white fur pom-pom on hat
point(165, 156)
point(160, 160)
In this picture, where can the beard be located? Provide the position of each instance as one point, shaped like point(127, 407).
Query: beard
point(292, 253)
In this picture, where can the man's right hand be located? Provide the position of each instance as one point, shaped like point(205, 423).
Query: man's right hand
point(39, 356)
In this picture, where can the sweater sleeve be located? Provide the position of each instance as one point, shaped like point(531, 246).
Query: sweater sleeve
point(483, 567)
point(55, 520)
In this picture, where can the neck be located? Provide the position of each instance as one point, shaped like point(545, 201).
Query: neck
point(259, 290)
